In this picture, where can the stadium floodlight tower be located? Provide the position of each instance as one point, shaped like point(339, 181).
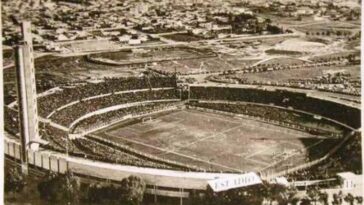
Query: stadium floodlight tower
point(27, 95)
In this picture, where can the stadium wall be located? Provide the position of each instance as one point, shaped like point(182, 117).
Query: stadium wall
point(161, 178)
point(158, 178)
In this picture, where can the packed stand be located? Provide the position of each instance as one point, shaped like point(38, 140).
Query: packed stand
point(11, 121)
point(283, 117)
point(347, 158)
point(109, 117)
point(51, 102)
point(300, 101)
point(88, 149)
point(57, 139)
point(67, 115)
point(100, 152)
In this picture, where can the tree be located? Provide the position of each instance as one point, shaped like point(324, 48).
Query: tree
point(350, 199)
point(336, 200)
point(313, 193)
point(14, 180)
point(132, 190)
point(359, 199)
point(60, 188)
point(277, 192)
point(305, 201)
point(252, 195)
point(340, 197)
point(102, 193)
point(324, 198)
point(291, 196)
point(274, 29)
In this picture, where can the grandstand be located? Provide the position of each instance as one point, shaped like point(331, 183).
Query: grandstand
point(347, 115)
point(144, 122)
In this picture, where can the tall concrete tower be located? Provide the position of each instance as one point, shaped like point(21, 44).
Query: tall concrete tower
point(1, 101)
point(27, 95)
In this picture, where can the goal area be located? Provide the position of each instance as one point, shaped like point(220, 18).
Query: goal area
point(146, 119)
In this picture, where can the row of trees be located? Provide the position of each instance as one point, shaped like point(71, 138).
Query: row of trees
point(68, 189)
point(14, 180)
point(316, 195)
point(272, 194)
point(329, 33)
point(252, 195)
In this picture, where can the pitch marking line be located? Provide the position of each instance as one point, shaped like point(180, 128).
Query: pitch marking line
point(133, 131)
point(138, 128)
point(131, 127)
point(294, 151)
point(176, 153)
point(266, 127)
point(258, 152)
point(202, 139)
point(140, 131)
point(258, 162)
point(212, 115)
point(293, 144)
point(293, 154)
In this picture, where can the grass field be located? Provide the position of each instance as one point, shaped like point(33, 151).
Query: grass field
point(164, 53)
point(197, 65)
point(303, 73)
point(217, 142)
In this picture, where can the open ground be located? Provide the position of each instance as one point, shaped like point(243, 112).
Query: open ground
point(218, 142)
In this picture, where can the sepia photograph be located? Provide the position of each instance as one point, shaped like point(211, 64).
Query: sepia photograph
point(181, 102)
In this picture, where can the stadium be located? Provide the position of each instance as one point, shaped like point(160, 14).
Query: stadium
point(177, 137)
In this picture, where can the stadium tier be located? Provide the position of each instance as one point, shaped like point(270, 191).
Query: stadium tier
point(51, 102)
point(282, 98)
point(69, 114)
point(11, 121)
point(348, 157)
point(110, 117)
point(85, 148)
point(97, 151)
point(283, 117)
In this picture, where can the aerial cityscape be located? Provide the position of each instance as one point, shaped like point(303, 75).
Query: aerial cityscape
point(159, 102)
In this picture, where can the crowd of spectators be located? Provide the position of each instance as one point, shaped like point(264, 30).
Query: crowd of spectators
point(57, 139)
point(8, 57)
point(89, 149)
point(100, 152)
point(109, 117)
point(283, 117)
point(347, 158)
point(69, 114)
point(282, 98)
point(11, 121)
point(51, 102)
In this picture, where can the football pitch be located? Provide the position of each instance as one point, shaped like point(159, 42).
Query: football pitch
point(217, 142)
